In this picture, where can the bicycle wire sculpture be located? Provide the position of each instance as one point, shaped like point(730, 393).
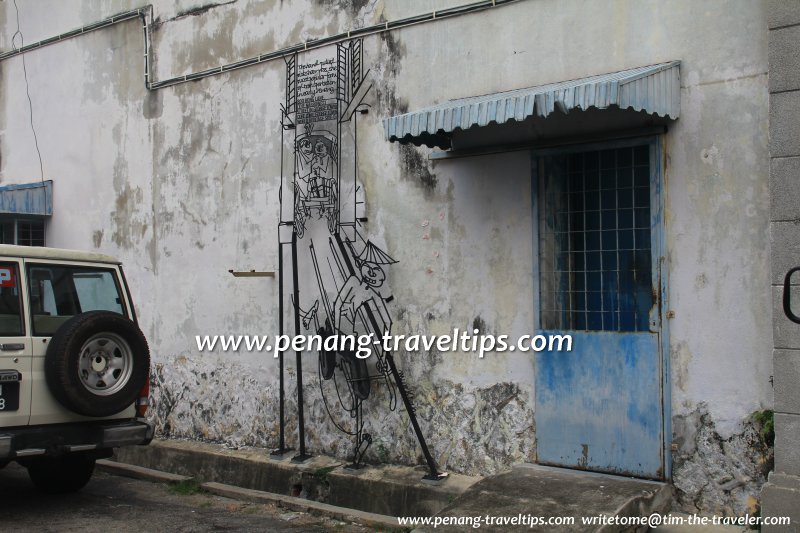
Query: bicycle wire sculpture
point(324, 96)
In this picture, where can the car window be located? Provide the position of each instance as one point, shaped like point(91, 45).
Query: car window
point(58, 292)
point(10, 315)
point(97, 291)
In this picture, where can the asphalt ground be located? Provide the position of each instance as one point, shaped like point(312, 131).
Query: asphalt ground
point(121, 504)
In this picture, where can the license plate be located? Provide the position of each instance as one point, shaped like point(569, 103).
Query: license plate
point(9, 391)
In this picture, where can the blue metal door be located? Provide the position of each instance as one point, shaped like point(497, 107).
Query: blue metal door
point(600, 406)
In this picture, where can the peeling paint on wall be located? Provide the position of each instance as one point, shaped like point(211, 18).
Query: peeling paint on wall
point(182, 184)
point(715, 474)
point(476, 431)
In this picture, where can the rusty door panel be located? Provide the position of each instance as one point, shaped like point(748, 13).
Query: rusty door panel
point(598, 407)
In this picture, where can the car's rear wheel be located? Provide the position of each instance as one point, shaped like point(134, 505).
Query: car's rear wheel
point(58, 475)
point(96, 363)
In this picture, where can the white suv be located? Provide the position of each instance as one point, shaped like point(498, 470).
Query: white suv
point(74, 365)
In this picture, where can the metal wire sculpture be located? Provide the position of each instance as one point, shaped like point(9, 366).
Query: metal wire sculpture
point(324, 94)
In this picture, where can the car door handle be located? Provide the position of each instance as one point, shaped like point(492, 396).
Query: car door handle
point(14, 347)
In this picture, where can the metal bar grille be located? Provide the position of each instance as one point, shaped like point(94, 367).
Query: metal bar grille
point(595, 240)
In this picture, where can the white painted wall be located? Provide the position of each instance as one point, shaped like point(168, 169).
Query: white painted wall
point(182, 184)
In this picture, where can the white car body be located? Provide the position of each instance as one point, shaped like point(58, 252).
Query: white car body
point(41, 425)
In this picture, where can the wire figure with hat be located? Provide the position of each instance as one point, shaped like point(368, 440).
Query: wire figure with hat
point(362, 289)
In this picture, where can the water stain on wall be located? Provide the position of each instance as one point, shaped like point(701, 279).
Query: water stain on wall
point(153, 105)
point(128, 228)
point(680, 357)
point(415, 166)
point(191, 12)
point(353, 7)
point(393, 52)
point(97, 238)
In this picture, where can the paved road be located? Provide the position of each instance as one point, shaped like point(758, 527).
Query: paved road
point(119, 504)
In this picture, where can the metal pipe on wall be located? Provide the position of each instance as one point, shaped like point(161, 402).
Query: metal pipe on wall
point(145, 14)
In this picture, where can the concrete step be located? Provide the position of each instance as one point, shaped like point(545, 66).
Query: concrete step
point(527, 493)
point(385, 490)
point(534, 494)
point(376, 521)
point(140, 472)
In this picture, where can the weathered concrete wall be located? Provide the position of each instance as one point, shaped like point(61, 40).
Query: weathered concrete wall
point(716, 195)
point(182, 184)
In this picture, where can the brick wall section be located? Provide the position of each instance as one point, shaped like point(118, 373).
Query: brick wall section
point(781, 497)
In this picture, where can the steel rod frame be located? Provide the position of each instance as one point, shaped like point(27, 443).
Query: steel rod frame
point(302, 455)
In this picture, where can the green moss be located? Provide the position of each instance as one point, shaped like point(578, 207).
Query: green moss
point(321, 474)
point(765, 422)
point(185, 488)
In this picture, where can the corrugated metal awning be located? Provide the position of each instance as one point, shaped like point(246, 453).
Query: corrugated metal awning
point(27, 198)
point(654, 89)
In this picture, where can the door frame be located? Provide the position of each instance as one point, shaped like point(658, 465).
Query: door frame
point(658, 180)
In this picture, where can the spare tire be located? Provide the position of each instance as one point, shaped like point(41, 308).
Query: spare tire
point(96, 363)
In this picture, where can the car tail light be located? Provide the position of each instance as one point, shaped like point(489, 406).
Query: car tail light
point(143, 402)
